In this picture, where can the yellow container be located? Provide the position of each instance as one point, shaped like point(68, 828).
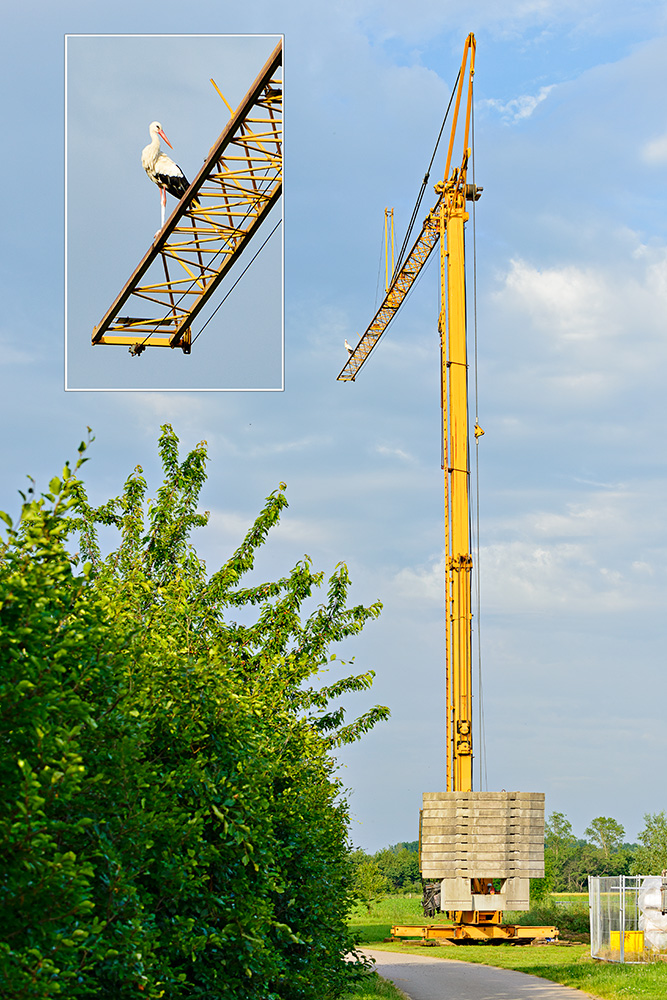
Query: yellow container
point(633, 941)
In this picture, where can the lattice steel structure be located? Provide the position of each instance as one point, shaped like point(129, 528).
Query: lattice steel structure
point(213, 223)
point(399, 288)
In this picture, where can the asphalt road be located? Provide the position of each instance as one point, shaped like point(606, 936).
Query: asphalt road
point(424, 978)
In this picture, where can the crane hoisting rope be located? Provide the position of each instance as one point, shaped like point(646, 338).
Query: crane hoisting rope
point(415, 210)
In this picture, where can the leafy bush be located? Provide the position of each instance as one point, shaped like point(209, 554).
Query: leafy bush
point(170, 819)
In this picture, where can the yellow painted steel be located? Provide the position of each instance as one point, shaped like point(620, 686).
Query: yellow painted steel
point(239, 183)
point(388, 243)
point(445, 223)
point(458, 560)
point(475, 931)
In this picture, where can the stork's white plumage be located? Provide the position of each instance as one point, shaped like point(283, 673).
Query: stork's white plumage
point(161, 168)
point(349, 348)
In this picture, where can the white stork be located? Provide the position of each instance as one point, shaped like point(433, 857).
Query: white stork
point(161, 168)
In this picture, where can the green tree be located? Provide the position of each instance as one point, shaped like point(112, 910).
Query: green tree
point(169, 816)
point(368, 881)
point(650, 857)
point(541, 888)
point(558, 834)
point(606, 833)
point(400, 866)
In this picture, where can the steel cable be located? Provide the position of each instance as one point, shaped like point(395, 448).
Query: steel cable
point(238, 279)
point(413, 217)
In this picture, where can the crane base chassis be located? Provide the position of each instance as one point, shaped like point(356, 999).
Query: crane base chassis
point(466, 933)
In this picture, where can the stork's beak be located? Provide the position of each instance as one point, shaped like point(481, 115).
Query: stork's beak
point(163, 136)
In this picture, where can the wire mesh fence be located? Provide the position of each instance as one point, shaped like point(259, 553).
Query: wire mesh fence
point(628, 916)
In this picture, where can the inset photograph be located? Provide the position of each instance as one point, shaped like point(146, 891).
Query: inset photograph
point(173, 213)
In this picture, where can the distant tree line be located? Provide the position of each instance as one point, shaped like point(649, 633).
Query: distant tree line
point(569, 860)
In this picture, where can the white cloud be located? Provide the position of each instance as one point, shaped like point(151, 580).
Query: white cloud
point(655, 151)
point(568, 299)
point(396, 452)
point(518, 108)
point(568, 559)
point(602, 554)
point(522, 576)
point(421, 583)
point(589, 331)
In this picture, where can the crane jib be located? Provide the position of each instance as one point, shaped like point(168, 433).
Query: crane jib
point(398, 290)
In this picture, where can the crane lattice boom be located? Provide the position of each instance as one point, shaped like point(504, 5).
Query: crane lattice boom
point(239, 183)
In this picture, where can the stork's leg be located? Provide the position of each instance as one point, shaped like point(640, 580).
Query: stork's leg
point(163, 204)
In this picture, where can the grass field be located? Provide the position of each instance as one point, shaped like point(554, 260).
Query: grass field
point(568, 963)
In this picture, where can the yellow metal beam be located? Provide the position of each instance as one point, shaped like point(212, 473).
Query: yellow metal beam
point(458, 560)
point(236, 188)
point(475, 931)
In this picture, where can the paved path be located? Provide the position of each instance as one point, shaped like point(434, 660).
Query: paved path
point(426, 978)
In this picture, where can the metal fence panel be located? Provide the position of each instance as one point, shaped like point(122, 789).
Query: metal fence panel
point(626, 918)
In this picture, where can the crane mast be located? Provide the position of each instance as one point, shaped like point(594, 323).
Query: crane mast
point(458, 560)
point(445, 224)
point(481, 848)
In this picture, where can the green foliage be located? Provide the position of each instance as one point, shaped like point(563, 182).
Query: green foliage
point(541, 888)
point(606, 833)
point(392, 869)
point(650, 857)
point(400, 865)
point(569, 861)
point(368, 882)
point(170, 819)
point(558, 834)
point(570, 919)
point(373, 987)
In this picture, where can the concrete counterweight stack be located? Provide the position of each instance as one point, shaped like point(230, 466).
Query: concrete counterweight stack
point(468, 839)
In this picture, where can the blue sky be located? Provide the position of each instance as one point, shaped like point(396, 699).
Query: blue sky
point(571, 148)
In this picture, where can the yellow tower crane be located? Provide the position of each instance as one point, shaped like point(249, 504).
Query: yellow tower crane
point(481, 847)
